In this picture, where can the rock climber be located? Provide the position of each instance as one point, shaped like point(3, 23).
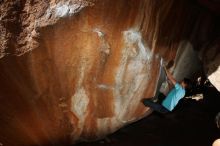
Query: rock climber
point(173, 96)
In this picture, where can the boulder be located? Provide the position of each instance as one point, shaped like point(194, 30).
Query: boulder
point(73, 70)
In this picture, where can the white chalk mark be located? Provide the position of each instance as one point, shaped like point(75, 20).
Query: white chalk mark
point(105, 47)
point(80, 101)
point(133, 72)
point(105, 87)
point(99, 32)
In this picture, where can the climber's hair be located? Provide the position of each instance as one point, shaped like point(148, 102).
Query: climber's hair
point(188, 83)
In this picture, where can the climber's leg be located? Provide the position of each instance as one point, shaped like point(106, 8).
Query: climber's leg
point(155, 106)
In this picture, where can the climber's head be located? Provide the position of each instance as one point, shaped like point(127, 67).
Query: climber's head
point(186, 83)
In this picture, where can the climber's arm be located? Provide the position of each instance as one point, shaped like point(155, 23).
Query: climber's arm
point(170, 85)
point(170, 76)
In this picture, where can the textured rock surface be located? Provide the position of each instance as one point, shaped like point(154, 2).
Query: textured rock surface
point(211, 61)
point(77, 69)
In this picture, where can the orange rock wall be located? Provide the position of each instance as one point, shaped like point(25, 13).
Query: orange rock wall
point(78, 69)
